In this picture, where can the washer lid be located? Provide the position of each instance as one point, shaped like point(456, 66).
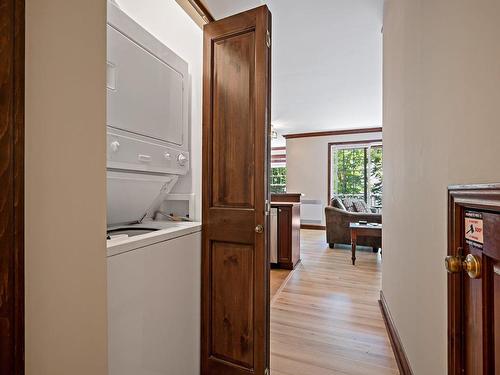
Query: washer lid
point(133, 196)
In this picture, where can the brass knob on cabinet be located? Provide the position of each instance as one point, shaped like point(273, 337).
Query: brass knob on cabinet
point(453, 264)
point(259, 228)
point(472, 265)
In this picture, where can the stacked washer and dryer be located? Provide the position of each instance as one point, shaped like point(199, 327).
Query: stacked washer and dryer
point(154, 252)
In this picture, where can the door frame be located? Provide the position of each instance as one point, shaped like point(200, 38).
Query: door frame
point(12, 45)
point(461, 197)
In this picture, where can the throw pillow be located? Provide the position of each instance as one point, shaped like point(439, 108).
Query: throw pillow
point(349, 204)
point(337, 203)
point(361, 206)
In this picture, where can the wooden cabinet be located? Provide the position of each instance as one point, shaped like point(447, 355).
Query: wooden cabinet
point(288, 235)
point(285, 197)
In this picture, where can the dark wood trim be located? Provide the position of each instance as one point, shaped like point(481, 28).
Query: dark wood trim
point(460, 197)
point(202, 10)
point(397, 346)
point(312, 226)
point(329, 172)
point(333, 132)
point(362, 142)
point(365, 171)
point(12, 44)
point(329, 176)
point(19, 116)
point(285, 197)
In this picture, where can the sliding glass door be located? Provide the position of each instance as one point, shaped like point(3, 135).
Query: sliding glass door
point(356, 172)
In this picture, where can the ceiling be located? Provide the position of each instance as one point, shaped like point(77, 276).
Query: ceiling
point(327, 62)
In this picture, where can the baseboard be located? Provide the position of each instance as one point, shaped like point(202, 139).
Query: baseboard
point(397, 346)
point(312, 226)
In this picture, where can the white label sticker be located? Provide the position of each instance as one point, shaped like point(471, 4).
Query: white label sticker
point(474, 229)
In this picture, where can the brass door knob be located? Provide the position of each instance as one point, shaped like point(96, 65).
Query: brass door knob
point(259, 228)
point(453, 264)
point(472, 265)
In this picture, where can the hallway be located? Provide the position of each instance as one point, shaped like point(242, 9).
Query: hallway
point(326, 319)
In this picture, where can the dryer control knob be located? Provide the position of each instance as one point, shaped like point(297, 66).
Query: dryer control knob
point(181, 159)
point(115, 145)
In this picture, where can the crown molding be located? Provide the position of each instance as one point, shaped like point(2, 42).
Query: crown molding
point(333, 132)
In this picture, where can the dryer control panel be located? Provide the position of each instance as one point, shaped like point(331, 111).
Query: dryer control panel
point(131, 152)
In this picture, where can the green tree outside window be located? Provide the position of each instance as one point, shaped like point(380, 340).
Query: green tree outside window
point(278, 180)
point(357, 173)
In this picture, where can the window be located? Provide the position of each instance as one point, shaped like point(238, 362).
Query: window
point(356, 172)
point(278, 179)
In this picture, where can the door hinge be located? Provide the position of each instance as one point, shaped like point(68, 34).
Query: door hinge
point(268, 39)
point(266, 372)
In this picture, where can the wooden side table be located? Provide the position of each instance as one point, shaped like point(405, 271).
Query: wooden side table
point(362, 230)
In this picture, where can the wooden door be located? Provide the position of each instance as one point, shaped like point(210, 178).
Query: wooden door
point(236, 129)
point(12, 187)
point(474, 280)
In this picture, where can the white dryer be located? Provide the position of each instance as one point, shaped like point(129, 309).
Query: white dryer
point(147, 120)
point(155, 102)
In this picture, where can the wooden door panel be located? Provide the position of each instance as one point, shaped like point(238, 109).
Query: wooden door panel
point(231, 225)
point(233, 122)
point(473, 325)
point(496, 316)
point(12, 31)
point(7, 193)
point(491, 246)
point(232, 310)
point(236, 130)
point(284, 245)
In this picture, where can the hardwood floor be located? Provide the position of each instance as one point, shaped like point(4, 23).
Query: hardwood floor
point(278, 279)
point(326, 319)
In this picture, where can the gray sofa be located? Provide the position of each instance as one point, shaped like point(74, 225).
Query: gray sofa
point(340, 213)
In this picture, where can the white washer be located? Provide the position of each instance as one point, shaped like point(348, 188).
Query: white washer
point(154, 278)
point(154, 301)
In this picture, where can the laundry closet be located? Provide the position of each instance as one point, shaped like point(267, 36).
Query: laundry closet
point(154, 232)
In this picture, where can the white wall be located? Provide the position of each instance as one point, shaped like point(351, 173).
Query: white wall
point(307, 166)
point(66, 320)
point(168, 22)
point(326, 61)
point(441, 80)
